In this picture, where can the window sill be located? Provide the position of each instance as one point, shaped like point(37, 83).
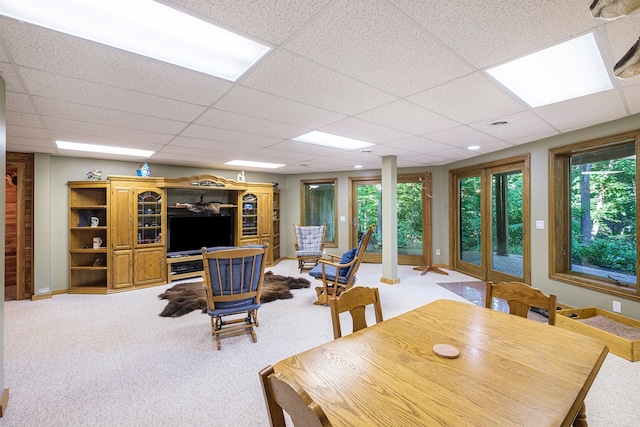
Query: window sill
point(589, 282)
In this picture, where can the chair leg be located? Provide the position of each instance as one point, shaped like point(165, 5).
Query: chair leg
point(581, 418)
point(322, 296)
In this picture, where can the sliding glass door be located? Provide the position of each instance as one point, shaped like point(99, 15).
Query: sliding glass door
point(490, 219)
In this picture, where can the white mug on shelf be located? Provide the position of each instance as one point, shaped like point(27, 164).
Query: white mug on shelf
point(95, 221)
point(97, 242)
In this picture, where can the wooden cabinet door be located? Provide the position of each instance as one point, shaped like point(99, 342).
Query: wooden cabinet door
point(265, 221)
point(121, 218)
point(149, 266)
point(122, 269)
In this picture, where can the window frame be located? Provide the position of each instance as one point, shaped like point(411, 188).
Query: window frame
point(560, 214)
point(303, 207)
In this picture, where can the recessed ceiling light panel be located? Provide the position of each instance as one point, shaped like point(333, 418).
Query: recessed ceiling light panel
point(565, 71)
point(251, 164)
point(105, 149)
point(147, 28)
point(330, 140)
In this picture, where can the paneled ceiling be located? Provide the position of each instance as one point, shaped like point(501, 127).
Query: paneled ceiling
point(405, 75)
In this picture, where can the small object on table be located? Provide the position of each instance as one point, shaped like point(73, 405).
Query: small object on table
point(445, 350)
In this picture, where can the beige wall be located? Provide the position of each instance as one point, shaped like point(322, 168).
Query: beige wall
point(63, 169)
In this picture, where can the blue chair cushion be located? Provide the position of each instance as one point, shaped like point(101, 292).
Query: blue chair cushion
point(225, 308)
point(347, 257)
point(330, 272)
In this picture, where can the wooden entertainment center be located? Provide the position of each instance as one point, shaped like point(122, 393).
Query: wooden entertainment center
point(118, 227)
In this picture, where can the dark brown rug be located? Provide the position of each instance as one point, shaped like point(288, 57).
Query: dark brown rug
point(186, 297)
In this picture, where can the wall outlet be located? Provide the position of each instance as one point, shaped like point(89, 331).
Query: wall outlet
point(617, 307)
point(437, 251)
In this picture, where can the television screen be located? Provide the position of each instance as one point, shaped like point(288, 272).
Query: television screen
point(194, 232)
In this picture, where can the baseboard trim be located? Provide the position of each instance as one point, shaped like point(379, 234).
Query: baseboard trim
point(38, 297)
point(390, 281)
point(4, 401)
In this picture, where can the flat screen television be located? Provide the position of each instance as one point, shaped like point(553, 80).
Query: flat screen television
point(193, 232)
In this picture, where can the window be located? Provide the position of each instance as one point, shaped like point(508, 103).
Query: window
point(318, 201)
point(593, 204)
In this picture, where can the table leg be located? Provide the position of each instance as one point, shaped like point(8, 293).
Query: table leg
point(581, 418)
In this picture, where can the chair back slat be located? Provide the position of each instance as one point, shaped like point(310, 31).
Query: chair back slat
point(234, 273)
point(280, 394)
point(355, 300)
point(521, 297)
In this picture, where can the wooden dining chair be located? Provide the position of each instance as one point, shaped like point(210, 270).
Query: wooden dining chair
point(280, 395)
point(521, 297)
point(355, 301)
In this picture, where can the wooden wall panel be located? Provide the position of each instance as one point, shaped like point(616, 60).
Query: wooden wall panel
point(21, 228)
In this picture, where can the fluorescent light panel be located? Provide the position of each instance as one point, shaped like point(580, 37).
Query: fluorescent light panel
point(565, 71)
point(329, 140)
point(251, 164)
point(147, 28)
point(77, 146)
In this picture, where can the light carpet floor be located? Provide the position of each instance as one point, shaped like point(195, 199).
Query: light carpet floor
point(110, 360)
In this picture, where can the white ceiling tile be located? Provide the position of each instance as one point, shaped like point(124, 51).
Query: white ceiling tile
point(487, 33)
point(532, 137)
point(113, 132)
point(461, 136)
point(105, 116)
point(597, 108)
point(632, 94)
point(521, 124)
point(353, 127)
point(407, 117)
point(419, 145)
point(270, 107)
point(11, 78)
point(468, 99)
point(291, 76)
point(19, 102)
point(233, 121)
point(311, 150)
point(225, 135)
point(27, 132)
point(372, 42)
point(48, 85)
point(26, 145)
point(493, 146)
point(203, 144)
point(23, 119)
point(456, 154)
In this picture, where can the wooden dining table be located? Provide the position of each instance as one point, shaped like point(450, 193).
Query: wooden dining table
point(510, 371)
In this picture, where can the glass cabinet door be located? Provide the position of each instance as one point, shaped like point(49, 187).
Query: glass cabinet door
point(249, 215)
point(149, 216)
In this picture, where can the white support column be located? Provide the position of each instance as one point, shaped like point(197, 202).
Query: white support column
point(389, 220)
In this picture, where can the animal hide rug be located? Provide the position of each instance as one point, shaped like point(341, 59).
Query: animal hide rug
point(186, 297)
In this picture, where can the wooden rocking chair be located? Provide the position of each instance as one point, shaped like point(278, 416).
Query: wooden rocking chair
point(336, 276)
